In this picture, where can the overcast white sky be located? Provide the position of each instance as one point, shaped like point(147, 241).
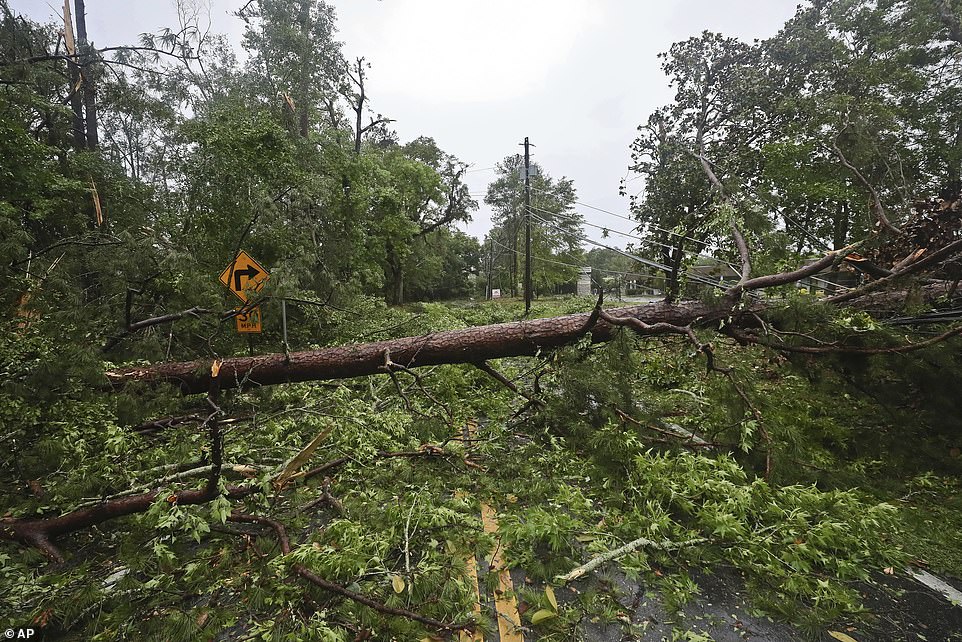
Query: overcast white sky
point(576, 77)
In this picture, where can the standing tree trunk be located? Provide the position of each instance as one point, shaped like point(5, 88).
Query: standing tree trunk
point(85, 49)
point(359, 108)
point(394, 272)
point(76, 97)
point(515, 257)
point(840, 232)
point(673, 277)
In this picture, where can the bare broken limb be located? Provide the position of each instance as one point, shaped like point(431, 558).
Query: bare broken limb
point(489, 370)
point(617, 553)
point(680, 436)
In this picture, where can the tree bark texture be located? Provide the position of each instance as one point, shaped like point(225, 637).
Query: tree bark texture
point(470, 345)
point(76, 83)
point(89, 89)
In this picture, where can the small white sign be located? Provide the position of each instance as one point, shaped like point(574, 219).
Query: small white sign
point(496, 293)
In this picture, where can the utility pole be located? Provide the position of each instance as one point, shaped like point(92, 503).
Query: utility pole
point(527, 226)
point(487, 290)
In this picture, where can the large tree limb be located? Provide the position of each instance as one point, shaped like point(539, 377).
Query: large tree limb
point(40, 532)
point(772, 280)
point(744, 254)
point(516, 339)
point(938, 256)
point(135, 326)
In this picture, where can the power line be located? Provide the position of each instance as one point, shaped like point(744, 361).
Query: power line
point(654, 242)
point(942, 316)
point(798, 225)
point(810, 236)
point(628, 218)
point(694, 277)
point(574, 265)
point(644, 261)
point(637, 238)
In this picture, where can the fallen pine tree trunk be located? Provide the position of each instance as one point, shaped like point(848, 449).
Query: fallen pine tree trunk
point(470, 345)
point(477, 345)
point(527, 338)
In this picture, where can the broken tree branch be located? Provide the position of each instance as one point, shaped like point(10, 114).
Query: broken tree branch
point(877, 207)
point(620, 552)
point(191, 473)
point(938, 256)
point(486, 368)
point(784, 278)
point(166, 422)
point(40, 532)
point(390, 366)
point(313, 578)
point(682, 437)
point(744, 254)
point(195, 312)
point(662, 327)
point(836, 348)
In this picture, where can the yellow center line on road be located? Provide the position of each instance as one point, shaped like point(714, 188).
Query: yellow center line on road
point(472, 564)
point(509, 620)
point(505, 603)
point(476, 635)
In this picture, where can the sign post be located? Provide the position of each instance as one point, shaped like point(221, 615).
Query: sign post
point(243, 277)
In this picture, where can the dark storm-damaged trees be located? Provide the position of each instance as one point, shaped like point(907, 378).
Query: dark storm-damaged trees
point(426, 194)
point(715, 116)
point(295, 60)
point(815, 133)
